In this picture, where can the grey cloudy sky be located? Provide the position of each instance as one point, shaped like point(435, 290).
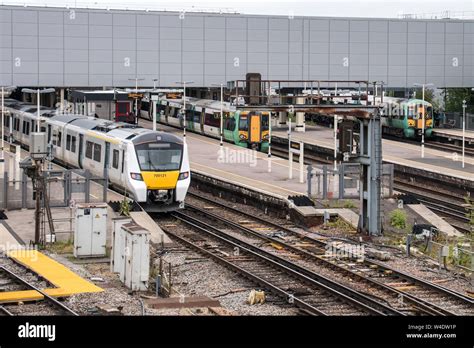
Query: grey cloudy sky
point(340, 8)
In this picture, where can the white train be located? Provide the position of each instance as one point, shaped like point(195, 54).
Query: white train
point(153, 167)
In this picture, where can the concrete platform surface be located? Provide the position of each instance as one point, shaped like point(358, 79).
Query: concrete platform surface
point(144, 220)
point(397, 152)
point(240, 165)
point(435, 220)
point(345, 214)
point(454, 134)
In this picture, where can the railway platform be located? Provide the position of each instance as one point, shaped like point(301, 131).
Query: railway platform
point(251, 173)
point(454, 134)
point(396, 152)
point(19, 226)
point(66, 282)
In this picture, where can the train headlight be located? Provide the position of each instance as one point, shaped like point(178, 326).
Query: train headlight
point(266, 136)
point(242, 136)
point(183, 176)
point(136, 176)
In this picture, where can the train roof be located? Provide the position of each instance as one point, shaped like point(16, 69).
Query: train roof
point(118, 130)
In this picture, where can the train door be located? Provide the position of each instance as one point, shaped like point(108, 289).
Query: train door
point(122, 110)
point(255, 128)
point(49, 133)
point(106, 159)
point(80, 153)
point(203, 115)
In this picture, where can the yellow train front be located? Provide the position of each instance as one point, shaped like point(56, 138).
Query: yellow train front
point(159, 171)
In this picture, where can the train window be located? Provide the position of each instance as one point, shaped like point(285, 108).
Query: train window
point(59, 139)
point(212, 120)
point(73, 144)
point(197, 117)
point(89, 147)
point(145, 106)
point(243, 124)
point(24, 127)
point(68, 142)
point(115, 159)
point(97, 151)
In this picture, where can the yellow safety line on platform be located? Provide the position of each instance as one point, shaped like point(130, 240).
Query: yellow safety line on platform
point(66, 281)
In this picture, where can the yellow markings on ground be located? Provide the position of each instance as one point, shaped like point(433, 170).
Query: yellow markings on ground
point(66, 281)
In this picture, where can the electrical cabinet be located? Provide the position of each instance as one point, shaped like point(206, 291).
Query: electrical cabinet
point(90, 230)
point(136, 270)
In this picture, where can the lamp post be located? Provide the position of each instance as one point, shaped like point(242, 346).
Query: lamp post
point(423, 85)
point(184, 105)
point(136, 79)
point(222, 114)
point(464, 105)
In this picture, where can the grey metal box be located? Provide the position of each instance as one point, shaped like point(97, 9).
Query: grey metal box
point(90, 230)
point(38, 145)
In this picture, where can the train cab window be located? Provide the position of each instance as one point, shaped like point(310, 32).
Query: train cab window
point(243, 123)
point(97, 152)
point(115, 159)
point(68, 142)
point(264, 121)
point(73, 144)
point(89, 147)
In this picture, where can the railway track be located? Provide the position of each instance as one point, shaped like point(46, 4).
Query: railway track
point(11, 280)
point(296, 285)
point(442, 202)
point(402, 291)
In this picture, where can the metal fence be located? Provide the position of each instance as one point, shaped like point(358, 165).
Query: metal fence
point(63, 187)
point(325, 182)
point(454, 120)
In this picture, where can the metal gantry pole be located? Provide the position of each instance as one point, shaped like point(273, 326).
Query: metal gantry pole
point(222, 116)
point(269, 142)
point(2, 154)
point(184, 111)
point(423, 126)
point(38, 106)
point(463, 129)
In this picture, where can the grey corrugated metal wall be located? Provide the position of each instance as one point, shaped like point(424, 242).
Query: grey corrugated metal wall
point(82, 48)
